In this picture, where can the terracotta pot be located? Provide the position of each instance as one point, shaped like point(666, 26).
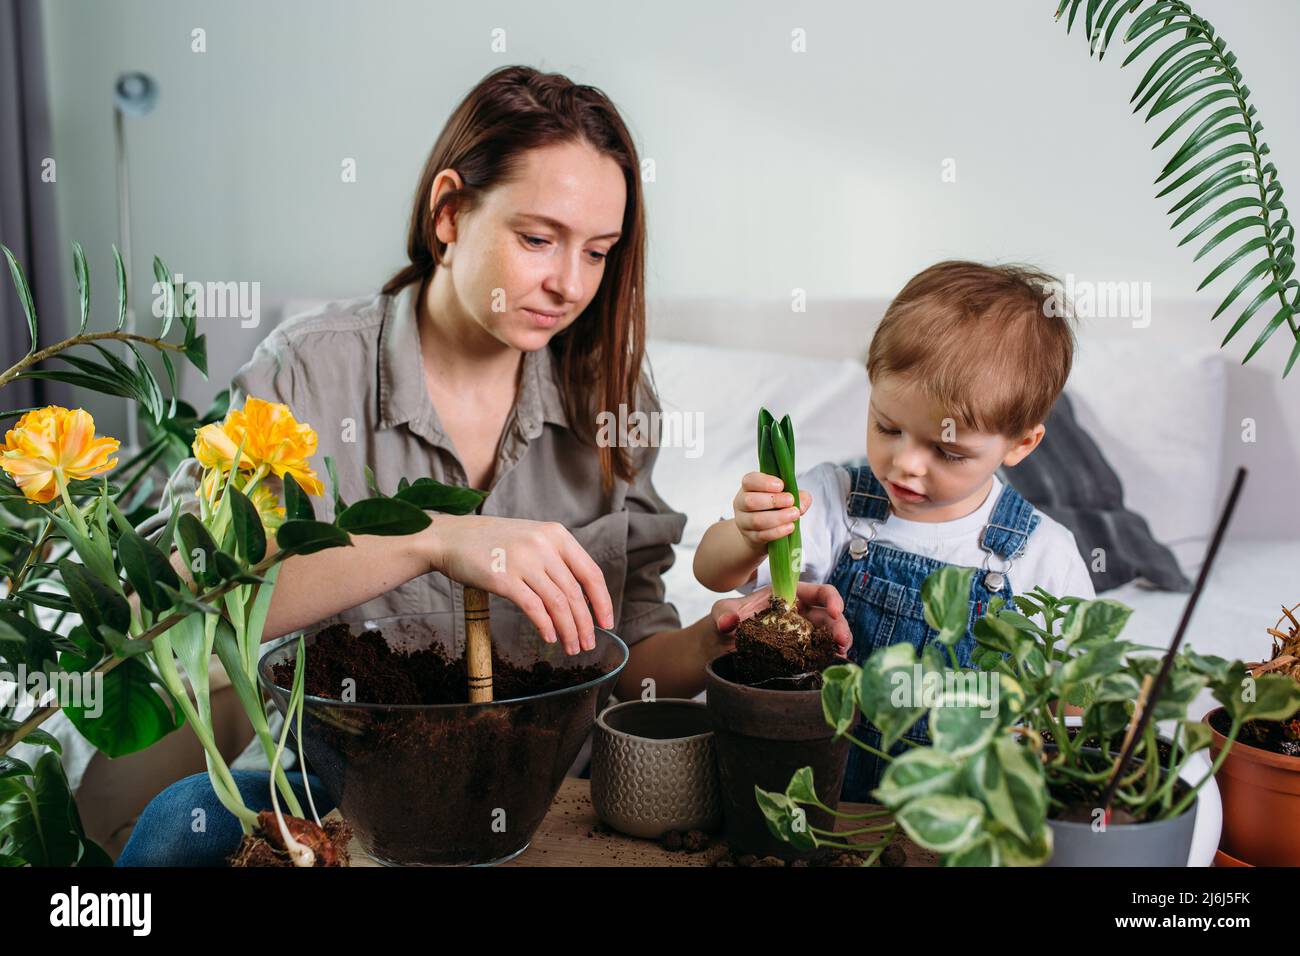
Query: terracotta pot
point(1261, 802)
point(762, 737)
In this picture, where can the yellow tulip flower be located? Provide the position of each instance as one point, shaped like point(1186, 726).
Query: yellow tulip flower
point(272, 439)
point(52, 446)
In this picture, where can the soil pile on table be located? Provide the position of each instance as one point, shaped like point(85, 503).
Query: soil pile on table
point(777, 647)
point(438, 785)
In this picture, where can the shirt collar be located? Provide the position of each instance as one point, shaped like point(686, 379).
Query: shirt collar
point(403, 396)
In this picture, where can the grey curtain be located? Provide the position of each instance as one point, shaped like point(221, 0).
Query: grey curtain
point(28, 220)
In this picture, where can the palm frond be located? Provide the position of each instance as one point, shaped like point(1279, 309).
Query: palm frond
point(1231, 187)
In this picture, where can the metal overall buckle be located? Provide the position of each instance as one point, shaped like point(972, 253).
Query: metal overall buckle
point(857, 544)
point(994, 579)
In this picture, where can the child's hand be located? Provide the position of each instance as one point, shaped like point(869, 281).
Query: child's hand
point(765, 512)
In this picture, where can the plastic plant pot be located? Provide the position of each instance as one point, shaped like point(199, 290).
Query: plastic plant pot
point(451, 784)
point(1261, 800)
point(1157, 843)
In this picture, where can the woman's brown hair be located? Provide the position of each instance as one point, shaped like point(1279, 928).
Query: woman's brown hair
point(511, 111)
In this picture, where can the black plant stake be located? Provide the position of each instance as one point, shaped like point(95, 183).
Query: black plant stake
point(1167, 665)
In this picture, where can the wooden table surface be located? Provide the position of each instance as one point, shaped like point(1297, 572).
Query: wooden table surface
point(572, 835)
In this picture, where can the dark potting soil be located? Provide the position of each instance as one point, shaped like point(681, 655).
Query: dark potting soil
point(1081, 798)
point(384, 676)
point(777, 644)
point(1275, 736)
point(443, 785)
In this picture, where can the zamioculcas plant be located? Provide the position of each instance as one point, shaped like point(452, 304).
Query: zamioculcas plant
point(1230, 198)
point(1003, 761)
point(779, 642)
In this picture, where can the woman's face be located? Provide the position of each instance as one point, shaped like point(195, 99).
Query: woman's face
point(528, 258)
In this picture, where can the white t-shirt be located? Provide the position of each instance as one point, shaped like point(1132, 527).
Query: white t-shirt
point(1051, 559)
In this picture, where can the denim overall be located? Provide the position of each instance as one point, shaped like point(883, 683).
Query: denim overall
point(881, 587)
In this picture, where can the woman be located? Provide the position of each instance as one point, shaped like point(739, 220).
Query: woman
point(485, 362)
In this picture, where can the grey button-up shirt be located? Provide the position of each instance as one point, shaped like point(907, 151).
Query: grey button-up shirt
point(352, 370)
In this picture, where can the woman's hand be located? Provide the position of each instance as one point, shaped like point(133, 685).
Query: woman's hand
point(537, 565)
point(819, 603)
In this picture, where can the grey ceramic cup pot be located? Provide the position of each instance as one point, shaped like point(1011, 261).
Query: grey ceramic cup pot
point(653, 768)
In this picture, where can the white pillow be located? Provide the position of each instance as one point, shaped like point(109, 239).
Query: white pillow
point(723, 388)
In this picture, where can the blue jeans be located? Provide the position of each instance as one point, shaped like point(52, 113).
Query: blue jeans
point(171, 831)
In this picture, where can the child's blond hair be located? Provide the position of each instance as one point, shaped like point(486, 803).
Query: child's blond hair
point(989, 344)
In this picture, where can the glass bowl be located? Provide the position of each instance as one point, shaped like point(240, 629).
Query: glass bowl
point(450, 784)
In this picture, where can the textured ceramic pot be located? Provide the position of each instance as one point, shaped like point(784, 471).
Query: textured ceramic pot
point(653, 768)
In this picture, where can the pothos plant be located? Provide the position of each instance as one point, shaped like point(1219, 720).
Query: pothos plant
point(86, 596)
point(1003, 761)
point(1227, 187)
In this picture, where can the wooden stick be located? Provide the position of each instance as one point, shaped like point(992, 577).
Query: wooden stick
point(478, 645)
point(1137, 717)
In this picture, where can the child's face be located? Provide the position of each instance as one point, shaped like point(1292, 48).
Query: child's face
point(909, 446)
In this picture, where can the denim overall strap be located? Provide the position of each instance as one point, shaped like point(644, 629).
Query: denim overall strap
point(867, 496)
point(1012, 522)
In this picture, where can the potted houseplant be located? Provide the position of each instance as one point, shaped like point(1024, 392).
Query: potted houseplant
point(1006, 781)
point(88, 600)
point(1260, 774)
point(764, 698)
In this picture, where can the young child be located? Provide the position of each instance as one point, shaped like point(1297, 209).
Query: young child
point(964, 368)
